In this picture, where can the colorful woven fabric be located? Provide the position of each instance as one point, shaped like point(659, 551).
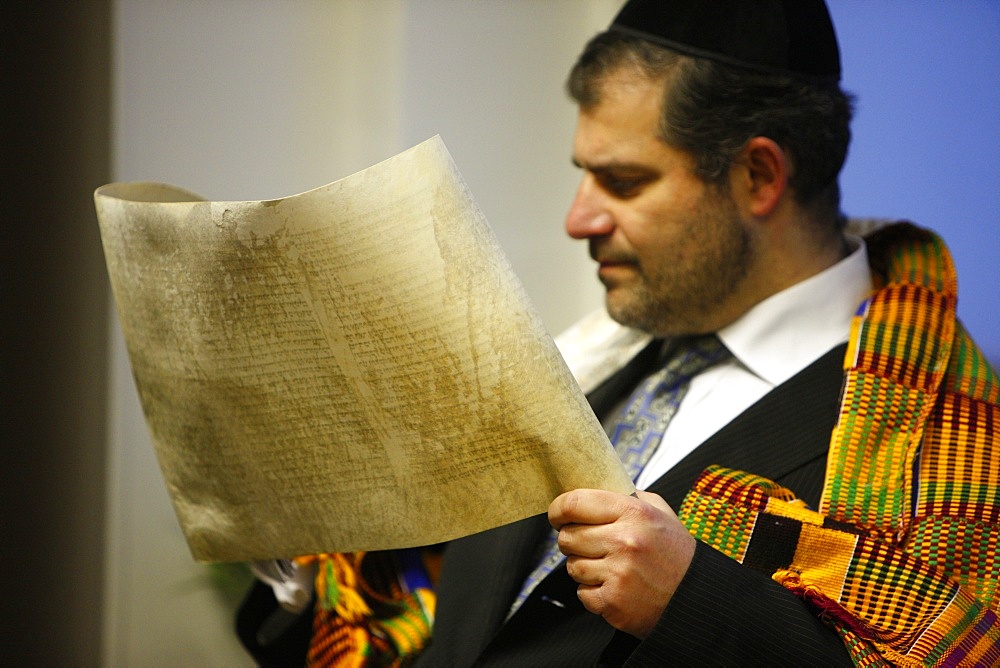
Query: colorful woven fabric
point(372, 609)
point(902, 555)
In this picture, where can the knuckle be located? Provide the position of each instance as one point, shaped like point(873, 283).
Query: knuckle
point(628, 545)
point(572, 501)
point(564, 540)
point(592, 599)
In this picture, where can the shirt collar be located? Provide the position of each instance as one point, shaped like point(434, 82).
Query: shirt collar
point(790, 329)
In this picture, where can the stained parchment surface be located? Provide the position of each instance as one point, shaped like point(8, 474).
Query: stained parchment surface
point(352, 368)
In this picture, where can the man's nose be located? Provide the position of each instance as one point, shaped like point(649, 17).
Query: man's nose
point(588, 216)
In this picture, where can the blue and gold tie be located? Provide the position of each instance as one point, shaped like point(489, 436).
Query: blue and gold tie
point(639, 428)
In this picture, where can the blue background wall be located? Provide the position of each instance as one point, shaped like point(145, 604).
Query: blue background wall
point(927, 132)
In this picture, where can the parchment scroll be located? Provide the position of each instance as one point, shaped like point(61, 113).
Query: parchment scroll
point(353, 368)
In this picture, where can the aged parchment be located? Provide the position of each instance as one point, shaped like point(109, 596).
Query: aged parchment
point(352, 368)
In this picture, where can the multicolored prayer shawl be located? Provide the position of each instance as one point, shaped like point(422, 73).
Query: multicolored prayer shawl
point(372, 608)
point(902, 555)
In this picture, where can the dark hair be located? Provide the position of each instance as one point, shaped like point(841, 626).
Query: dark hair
point(712, 109)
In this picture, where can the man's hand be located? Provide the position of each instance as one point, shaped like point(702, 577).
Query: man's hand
point(628, 554)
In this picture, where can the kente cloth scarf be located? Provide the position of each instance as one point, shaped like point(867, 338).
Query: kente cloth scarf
point(901, 557)
point(372, 608)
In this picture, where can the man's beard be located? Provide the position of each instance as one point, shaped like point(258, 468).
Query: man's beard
point(681, 296)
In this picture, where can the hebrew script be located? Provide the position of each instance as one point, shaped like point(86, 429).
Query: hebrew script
point(351, 368)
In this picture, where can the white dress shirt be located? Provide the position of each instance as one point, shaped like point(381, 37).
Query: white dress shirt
point(772, 342)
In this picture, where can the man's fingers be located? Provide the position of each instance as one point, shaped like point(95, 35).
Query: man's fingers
point(592, 598)
point(583, 540)
point(655, 500)
point(584, 570)
point(589, 506)
point(627, 554)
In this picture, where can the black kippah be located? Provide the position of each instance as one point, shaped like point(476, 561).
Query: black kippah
point(793, 37)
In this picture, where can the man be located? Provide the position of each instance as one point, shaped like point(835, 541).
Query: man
point(825, 489)
point(710, 136)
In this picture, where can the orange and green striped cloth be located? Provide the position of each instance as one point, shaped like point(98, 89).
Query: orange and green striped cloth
point(901, 557)
point(372, 608)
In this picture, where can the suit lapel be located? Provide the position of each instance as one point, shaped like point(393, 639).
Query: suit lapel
point(481, 575)
point(788, 429)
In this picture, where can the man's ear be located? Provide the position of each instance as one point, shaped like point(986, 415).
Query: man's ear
point(766, 176)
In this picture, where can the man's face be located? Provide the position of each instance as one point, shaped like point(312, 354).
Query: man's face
point(672, 249)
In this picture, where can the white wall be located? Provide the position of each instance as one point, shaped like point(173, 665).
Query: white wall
point(256, 99)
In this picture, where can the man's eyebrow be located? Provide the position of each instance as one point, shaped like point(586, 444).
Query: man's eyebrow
point(614, 166)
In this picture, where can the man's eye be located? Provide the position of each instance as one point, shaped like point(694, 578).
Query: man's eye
point(623, 187)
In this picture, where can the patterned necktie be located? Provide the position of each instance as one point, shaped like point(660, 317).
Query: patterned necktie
point(639, 428)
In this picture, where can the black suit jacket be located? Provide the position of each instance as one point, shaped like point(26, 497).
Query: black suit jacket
point(722, 613)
